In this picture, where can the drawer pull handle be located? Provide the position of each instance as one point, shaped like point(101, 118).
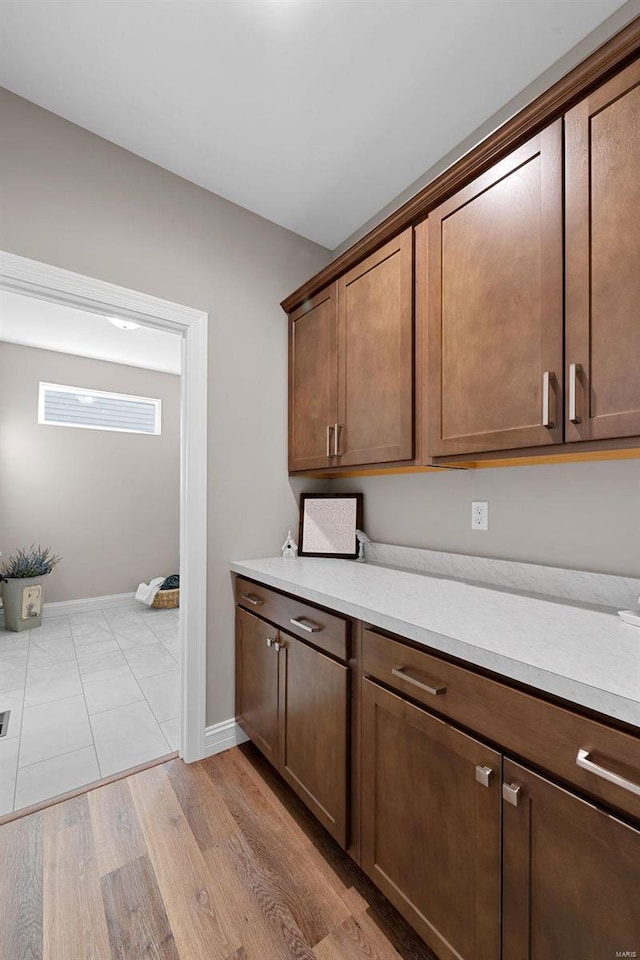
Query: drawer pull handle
point(582, 760)
point(431, 686)
point(309, 626)
point(511, 793)
point(250, 598)
point(483, 775)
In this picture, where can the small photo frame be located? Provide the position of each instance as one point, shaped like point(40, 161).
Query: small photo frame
point(328, 524)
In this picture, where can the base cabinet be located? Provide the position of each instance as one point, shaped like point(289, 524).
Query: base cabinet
point(571, 875)
point(292, 701)
point(431, 825)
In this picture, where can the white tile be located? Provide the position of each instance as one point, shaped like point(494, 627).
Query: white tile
point(8, 769)
point(50, 778)
point(45, 653)
point(13, 700)
point(51, 729)
point(14, 646)
point(172, 644)
point(12, 674)
point(161, 693)
point(126, 737)
point(170, 730)
point(150, 660)
point(55, 682)
point(91, 616)
point(129, 637)
point(52, 628)
point(119, 616)
point(96, 648)
point(102, 694)
point(91, 633)
point(101, 660)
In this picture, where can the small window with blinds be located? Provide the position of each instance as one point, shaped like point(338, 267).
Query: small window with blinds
point(64, 406)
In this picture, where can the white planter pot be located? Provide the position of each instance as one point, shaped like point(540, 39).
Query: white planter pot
point(22, 601)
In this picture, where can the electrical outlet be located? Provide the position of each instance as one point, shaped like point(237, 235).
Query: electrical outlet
point(479, 515)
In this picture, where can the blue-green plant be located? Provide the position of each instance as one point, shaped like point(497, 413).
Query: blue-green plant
point(34, 562)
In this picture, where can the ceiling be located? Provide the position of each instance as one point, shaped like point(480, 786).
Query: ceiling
point(53, 326)
point(313, 113)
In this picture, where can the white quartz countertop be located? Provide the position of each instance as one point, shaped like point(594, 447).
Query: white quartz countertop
point(583, 653)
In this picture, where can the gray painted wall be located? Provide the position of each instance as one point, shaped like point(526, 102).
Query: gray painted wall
point(108, 503)
point(580, 515)
point(70, 198)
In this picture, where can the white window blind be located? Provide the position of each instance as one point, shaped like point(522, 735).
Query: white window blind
point(65, 406)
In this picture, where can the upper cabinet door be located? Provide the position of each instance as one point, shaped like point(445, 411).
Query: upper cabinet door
point(313, 382)
point(603, 261)
point(375, 350)
point(495, 329)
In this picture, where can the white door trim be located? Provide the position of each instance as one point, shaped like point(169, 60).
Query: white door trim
point(46, 282)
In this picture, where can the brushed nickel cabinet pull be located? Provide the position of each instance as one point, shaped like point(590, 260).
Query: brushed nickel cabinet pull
point(279, 645)
point(574, 370)
point(271, 641)
point(309, 626)
point(547, 377)
point(336, 439)
point(483, 775)
point(330, 429)
point(429, 686)
point(582, 760)
point(250, 598)
point(511, 793)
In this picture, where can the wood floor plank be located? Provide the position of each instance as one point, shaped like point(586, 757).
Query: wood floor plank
point(117, 835)
point(358, 938)
point(21, 892)
point(282, 851)
point(67, 813)
point(206, 812)
point(136, 917)
point(264, 923)
point(186, 885)
point(73, 913)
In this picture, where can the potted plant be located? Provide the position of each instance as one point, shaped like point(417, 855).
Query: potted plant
point(21, 578)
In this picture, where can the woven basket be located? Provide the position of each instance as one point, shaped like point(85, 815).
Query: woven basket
point(167, 599)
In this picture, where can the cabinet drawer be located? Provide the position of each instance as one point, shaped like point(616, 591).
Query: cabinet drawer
point(525, 725)
point(324, 630)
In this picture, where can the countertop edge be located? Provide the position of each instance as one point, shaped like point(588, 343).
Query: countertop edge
point(608, 705)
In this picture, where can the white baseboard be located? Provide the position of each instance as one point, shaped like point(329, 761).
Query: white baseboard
point(63, 608)
point(223, 736)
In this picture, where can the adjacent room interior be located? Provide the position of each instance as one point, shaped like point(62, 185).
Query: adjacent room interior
point(90, 467)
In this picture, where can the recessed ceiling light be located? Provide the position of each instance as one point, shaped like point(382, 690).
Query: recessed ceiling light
point(123, 324)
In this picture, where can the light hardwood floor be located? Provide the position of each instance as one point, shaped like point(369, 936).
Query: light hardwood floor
point(213, 861)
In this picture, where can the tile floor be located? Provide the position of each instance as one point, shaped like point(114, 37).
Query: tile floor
point(90, 695)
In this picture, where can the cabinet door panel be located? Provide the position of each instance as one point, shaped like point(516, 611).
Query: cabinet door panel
point(313, 382)
point(257, 682)
point(375, 351)
point(496, 306)
point(430, 829)
point(603, 260)
point(571, 876)
point(313, 744)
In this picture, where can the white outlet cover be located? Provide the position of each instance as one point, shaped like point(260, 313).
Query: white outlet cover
point(479, 515)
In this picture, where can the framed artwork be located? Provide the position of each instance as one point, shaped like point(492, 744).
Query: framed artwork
point(328, 524)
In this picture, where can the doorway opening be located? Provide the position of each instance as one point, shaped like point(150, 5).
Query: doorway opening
point(69, 663)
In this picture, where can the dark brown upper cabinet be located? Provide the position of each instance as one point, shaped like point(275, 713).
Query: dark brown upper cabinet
point(313, 382)
point(495, 294)
point(351, 366)
point(375, 357)
point(602, 182)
